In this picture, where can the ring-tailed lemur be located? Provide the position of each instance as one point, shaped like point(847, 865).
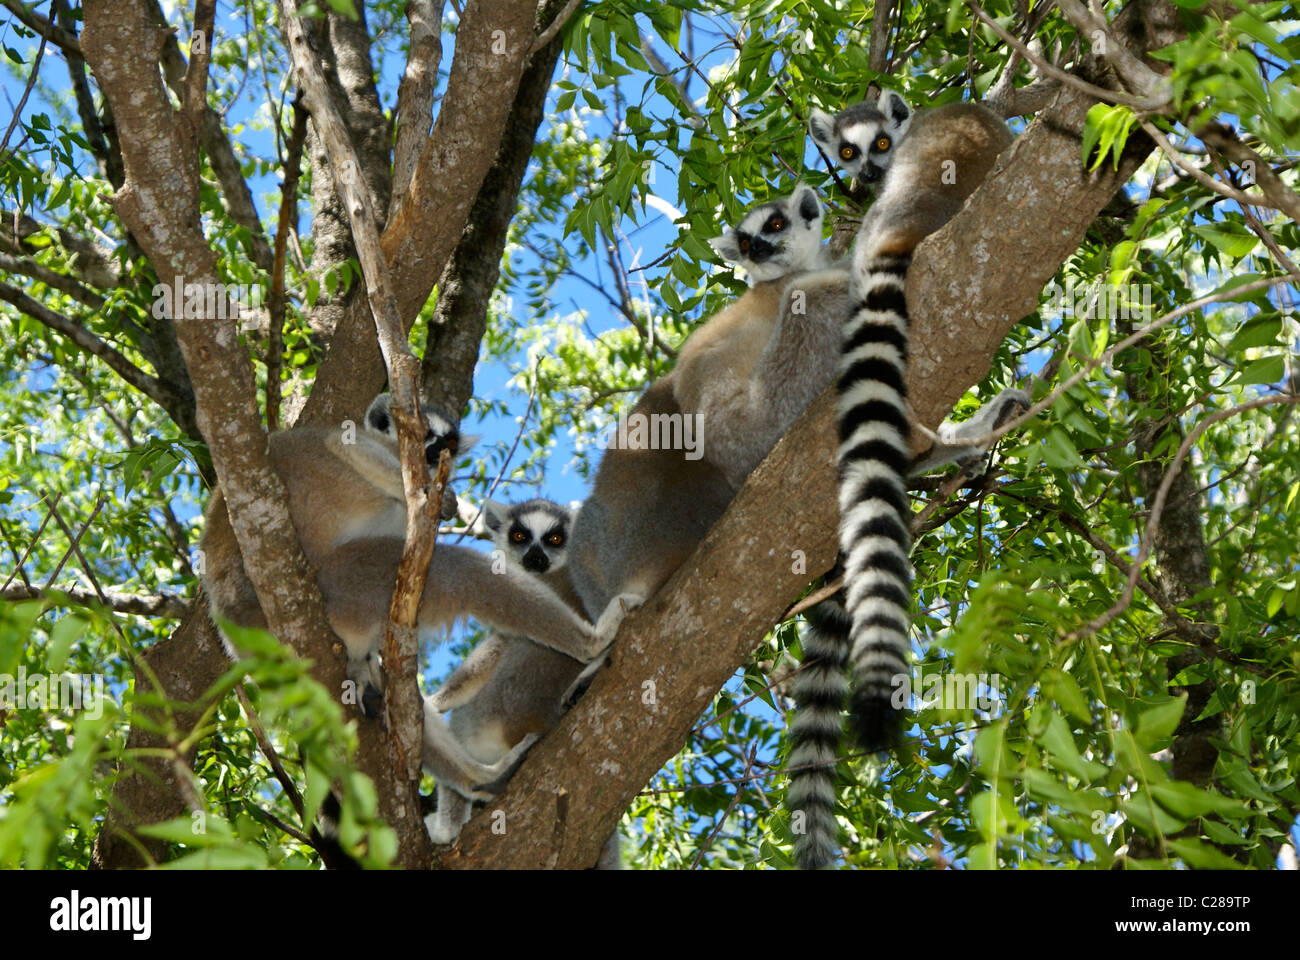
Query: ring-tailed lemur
point(945, 155)
point(509, 688)
point(742, 378)
point(348, 507)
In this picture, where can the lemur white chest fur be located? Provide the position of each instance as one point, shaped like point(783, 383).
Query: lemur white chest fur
point(927, 166)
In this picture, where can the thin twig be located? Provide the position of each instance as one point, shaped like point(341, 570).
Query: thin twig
point(1149, 104)
point(735, 799)
point(555, 26)
point(35, 538)
point(273, 758)
point(532, 398)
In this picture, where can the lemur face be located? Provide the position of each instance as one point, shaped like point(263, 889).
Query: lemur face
point(777, 238)
point(441, 434)
point(533, 534)
point(862, 138)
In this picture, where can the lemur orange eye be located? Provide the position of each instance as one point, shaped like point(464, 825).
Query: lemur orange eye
point(518, 536)
point(743, 243)
point(776, 225)
point(555, 539)
point(848, 152)
point(882, 144)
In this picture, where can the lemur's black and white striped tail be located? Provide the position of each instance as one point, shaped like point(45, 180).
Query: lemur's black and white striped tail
point(875, 516)
point(819, 689)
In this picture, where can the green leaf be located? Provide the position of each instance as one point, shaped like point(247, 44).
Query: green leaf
point(1108, 128)
point(1156, 725)
point(1187, 802)
point(1235, 245)
point(1059, 452)
point(1259, 331)
point(221, 858)
point(1058, 742)
point(184, 830)
point(1064, 689)
point(67, 630)
point(1275, 598)
point(1150, 818)
point(1203, 856)
point(1263, 370)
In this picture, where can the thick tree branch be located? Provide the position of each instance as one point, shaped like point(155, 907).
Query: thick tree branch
point(492, 44)
point(414, 114)
point(277, 305)
point(220, 151)
point(878, 45)
point(107, 157)
point(465, 288)
point(402, 703)
point(343, 46)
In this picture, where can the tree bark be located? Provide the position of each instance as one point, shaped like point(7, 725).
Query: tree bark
point(492, 45)
point(466, 285)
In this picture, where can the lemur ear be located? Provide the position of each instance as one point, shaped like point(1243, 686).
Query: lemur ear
point(893, 106)
point(574, 507)
point(726, 247)
point(822, 127)
point(494, 514)
point(467, 440)
point(377, 416)
point(808, 205)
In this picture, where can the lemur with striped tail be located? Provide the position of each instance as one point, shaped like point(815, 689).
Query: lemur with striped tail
point(944, 154)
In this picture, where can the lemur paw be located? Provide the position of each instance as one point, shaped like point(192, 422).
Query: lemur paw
point(505, 767)
point(612, 617)
point(580, 685)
